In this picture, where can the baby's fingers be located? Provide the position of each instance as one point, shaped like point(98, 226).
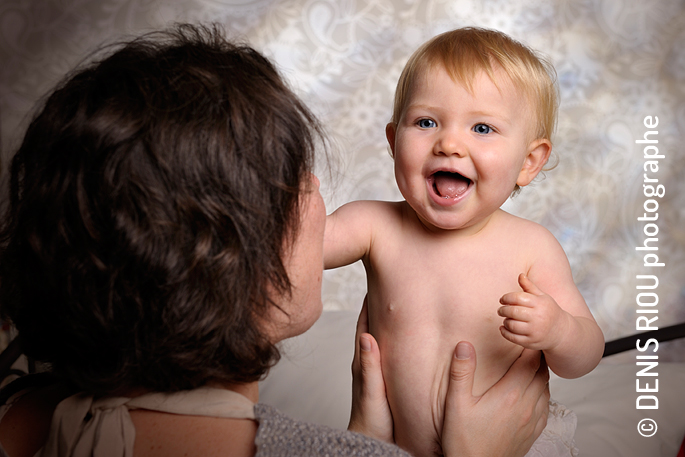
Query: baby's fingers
point(513, 334)
point(518, 313)
point(518, 299)
point(516, 326)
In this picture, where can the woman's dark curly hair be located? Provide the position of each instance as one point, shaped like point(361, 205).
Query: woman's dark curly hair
point(150, 203)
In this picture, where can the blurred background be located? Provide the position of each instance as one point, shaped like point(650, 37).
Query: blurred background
point(617, 62)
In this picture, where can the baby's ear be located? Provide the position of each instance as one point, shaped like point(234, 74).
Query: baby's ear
point(390, 135)
point(538, 154)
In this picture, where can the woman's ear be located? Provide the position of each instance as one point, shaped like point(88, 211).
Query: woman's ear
point(538, 154)
point(390, 136)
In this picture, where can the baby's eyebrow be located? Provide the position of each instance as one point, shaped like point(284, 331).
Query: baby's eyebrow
point(499, 116)
point(412, 106)
point(488, 113)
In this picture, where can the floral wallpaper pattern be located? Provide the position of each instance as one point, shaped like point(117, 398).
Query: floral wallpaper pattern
point(617, 63)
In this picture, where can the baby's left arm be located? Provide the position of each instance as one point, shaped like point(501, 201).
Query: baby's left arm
point(551, 315)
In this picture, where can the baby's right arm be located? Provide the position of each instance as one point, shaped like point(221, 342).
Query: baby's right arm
point(349, 233)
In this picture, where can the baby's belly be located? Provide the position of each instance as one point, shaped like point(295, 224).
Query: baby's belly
point(416, 360)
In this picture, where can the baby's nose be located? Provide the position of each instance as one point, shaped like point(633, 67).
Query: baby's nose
point(450, 143)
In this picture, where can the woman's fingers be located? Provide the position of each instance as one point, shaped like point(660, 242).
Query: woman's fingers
point(462, 373)
point(506, 419)
point(370, 410)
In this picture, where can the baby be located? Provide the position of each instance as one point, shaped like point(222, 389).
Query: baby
point(472, 123)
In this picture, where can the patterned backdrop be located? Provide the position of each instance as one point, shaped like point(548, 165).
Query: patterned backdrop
point(617, 62)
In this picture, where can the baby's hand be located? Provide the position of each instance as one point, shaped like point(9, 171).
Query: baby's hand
point(532, 318)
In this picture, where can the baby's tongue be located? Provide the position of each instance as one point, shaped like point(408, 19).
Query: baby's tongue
point(450, 185)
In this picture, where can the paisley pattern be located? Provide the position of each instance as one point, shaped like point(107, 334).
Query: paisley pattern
point(617, 62)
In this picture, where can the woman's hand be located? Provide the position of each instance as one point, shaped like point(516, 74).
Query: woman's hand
point(370, 410)
point(505, 420)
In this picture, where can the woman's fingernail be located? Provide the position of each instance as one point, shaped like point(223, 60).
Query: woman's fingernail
point(365, 343)
point(463, 351)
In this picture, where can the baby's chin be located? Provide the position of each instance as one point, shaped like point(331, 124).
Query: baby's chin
point(444, 221)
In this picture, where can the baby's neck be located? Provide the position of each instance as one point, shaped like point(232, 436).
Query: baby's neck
point(472, 229)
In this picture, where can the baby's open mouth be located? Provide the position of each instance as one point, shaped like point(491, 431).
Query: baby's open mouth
point(449, 185)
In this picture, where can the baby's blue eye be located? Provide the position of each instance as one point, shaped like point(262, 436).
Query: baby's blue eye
point(483, 129)
point(426, 123)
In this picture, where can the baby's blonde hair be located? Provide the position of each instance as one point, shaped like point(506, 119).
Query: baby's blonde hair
point(463, 52)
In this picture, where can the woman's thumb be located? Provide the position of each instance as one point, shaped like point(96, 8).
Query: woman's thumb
point(459, 400)
point(462, 371)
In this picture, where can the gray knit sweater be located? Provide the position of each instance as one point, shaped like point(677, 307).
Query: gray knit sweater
point(280, 436)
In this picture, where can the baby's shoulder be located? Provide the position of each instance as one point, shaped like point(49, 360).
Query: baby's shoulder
point(370, 210)
point(372, 205)
point(525, 231)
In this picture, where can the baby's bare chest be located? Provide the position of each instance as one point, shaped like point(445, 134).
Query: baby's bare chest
point(461, 283)
point(420, 306)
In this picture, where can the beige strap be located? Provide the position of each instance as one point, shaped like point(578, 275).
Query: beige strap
point(84, 427)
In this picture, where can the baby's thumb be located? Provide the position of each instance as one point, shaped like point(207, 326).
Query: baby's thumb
point(462, 373)
point(528, 286)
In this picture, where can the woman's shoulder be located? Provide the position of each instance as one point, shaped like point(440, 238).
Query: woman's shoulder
point(26, 407)
point(280, 435)
point(26, 384)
